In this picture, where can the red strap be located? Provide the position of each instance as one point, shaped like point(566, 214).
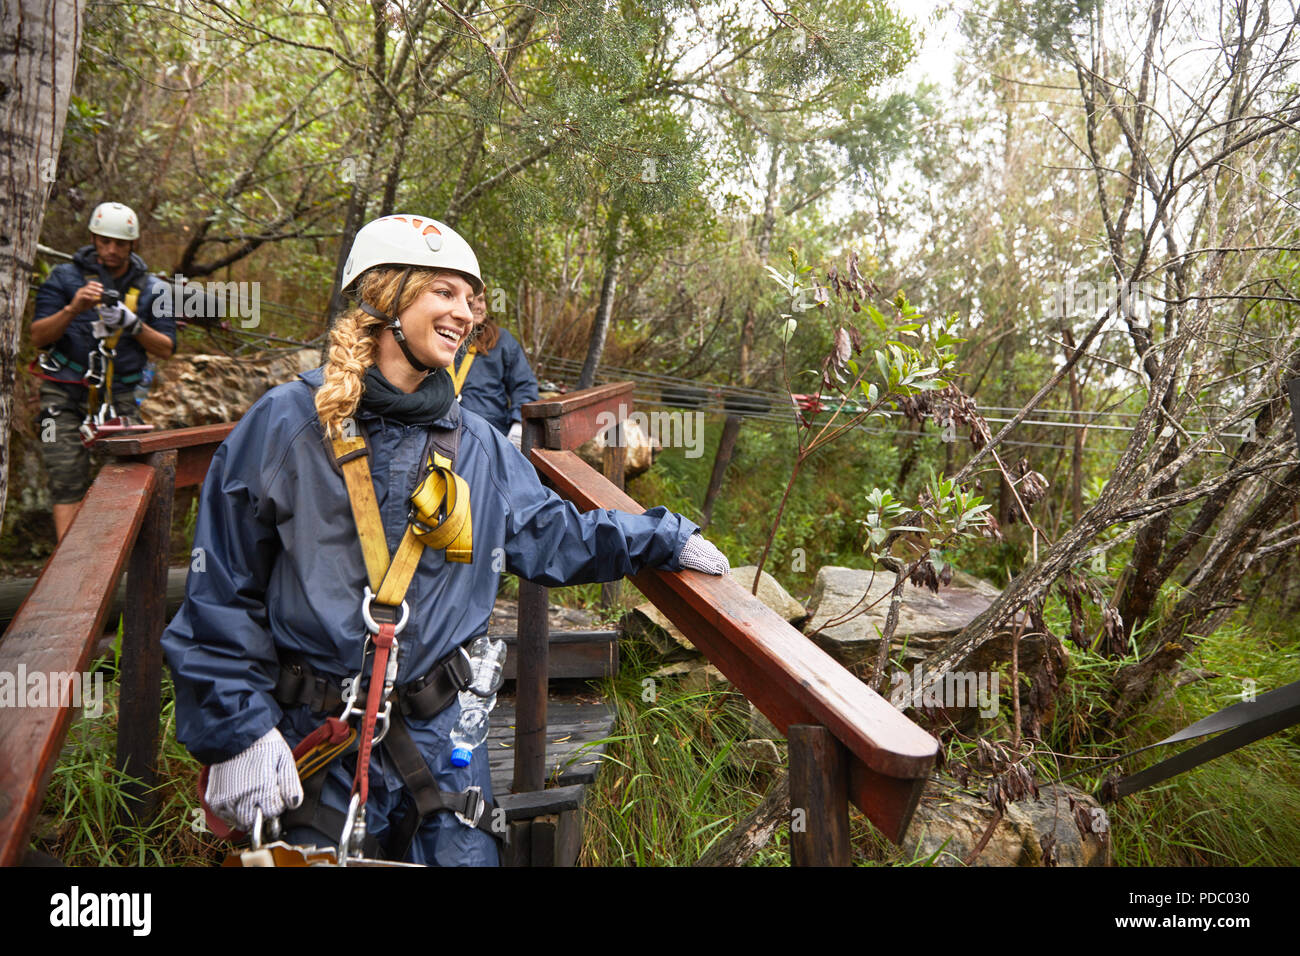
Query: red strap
point(383, 642)
point(39, 372)
point(330, 732)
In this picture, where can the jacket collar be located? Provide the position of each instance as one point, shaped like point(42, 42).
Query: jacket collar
point(315, 378)
point(85, 258)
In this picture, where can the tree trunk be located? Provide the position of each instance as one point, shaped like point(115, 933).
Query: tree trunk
point(38, 60)
point(600, 328)
point(1211, 596)
point(726, 448)
point(1080, 433)
point(753, 832)
point(363, 185)
point(1136, 595)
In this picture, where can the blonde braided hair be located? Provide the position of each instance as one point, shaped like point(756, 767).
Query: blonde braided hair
point(354, 341)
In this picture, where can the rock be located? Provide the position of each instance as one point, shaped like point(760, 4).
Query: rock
point(949, 823)
point(649, 622)
point(960, 579)
point(208, 389)
point(640, 451)
point(925, 619)
point(505, 618)
point(758, 754)
point(760, 726)
point(695, 675)
point(772, 594)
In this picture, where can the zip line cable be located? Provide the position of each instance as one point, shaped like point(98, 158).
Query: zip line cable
point(691, 388)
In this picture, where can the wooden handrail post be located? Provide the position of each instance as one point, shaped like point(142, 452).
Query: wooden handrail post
point(533, 670)
point(819, 798)
point(144, 616)
point(614, 465)
point(531, 687)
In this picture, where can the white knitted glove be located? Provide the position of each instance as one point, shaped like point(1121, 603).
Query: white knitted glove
point(263, 776)
point(699, 554)
point(515, 434)
point(118, 317)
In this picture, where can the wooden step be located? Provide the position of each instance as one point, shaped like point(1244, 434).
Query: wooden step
point(574, 723)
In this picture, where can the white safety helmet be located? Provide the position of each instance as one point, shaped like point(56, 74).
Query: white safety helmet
point(115, 221)
point(406, 240)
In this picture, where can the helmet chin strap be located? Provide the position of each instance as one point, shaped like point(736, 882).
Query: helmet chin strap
point(395, 324)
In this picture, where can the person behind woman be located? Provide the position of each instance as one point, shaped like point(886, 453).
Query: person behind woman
point(278, 618)
point(493, 377)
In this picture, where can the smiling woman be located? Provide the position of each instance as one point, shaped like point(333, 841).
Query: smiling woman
point(299, 603)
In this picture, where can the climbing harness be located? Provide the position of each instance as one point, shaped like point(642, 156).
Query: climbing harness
point(102, 418)
point(462, 371)
point(439, 518)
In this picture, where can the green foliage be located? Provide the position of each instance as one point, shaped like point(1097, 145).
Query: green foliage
point(670, 785)
point(86, 808)
point(1238, 809)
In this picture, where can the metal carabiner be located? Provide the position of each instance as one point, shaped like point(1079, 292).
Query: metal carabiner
point(354, 832)
point(255, 836)
point(352, 692)
point(95, 369)
point(106, 413)
point(371, 624)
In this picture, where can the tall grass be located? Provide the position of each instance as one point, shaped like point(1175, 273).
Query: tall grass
point(669, 786)
point(1237, 810)
point(85, 808)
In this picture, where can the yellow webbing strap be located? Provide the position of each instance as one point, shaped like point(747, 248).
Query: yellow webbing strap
point(442, 491)
point(458, 377)
point(445, 492)
point(365, 509)
point(108, 366)
point(131, 298)
point(322, 754)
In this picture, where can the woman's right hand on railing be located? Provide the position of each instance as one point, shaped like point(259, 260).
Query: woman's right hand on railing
point(701, 554)
point(262, 776)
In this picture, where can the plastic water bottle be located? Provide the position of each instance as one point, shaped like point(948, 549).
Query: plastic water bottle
point(487, 658)
point(146, 382)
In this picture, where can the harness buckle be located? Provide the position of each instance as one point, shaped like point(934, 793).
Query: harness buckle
point(385, 611)
point(476, 807)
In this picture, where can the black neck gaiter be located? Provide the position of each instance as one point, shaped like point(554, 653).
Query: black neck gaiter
point(431, 401)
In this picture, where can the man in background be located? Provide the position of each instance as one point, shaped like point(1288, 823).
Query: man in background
point(105, 294)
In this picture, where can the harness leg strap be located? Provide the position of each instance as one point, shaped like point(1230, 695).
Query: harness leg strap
point(427, 797)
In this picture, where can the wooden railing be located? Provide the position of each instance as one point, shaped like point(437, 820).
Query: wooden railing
point(124, 523)
point(846, 742)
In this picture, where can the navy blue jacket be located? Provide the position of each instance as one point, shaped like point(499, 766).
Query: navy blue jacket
point(278, 563)
point(78, 339)
point(499, 382)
